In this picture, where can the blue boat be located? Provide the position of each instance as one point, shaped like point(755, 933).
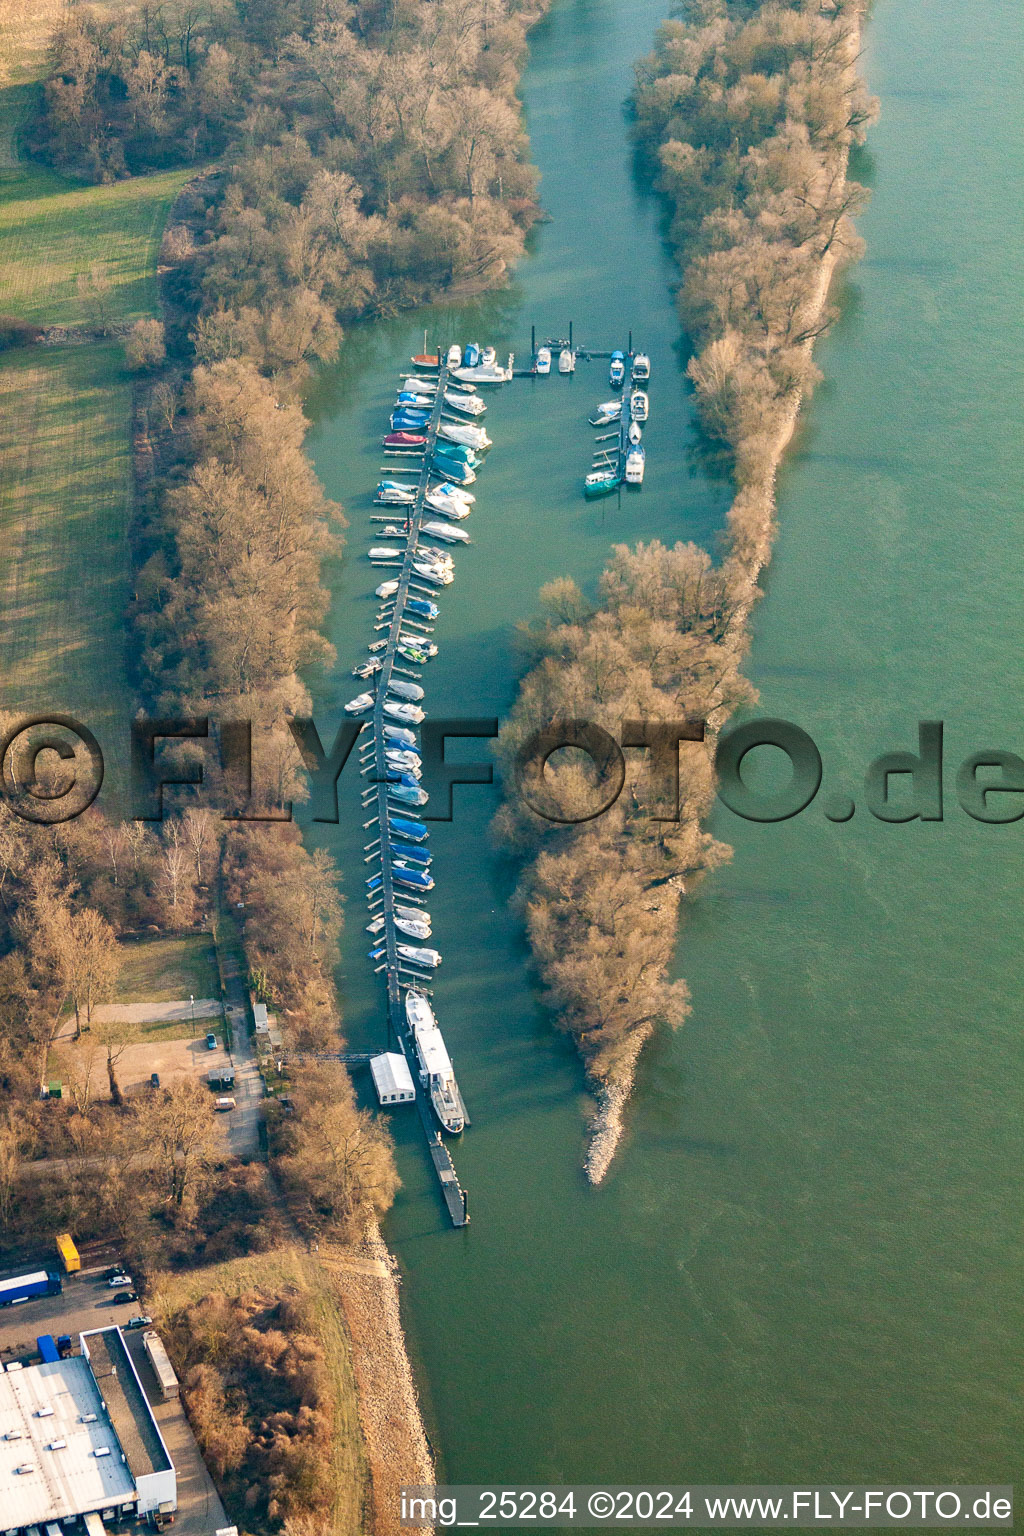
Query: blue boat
point(402, 421)
point(422, 607)
point(413, 855)
point(471, 356)
point(414, 829)
point(415, 879)
point(461, 452)
point(451, 469)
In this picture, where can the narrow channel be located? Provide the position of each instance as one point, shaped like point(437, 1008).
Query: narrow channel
point(800, 1265)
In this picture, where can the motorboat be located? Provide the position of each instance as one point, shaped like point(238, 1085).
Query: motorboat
point(447, 532)
point(464, 432)
point(408, 762)
point(411, 650)
point(491, 373)
point(641, 370)
point(543, 362)
point(469, 405)
point(452, 469)
point(410, 855)
point(454, 356)
point(471, 356)
point(414, 927)
point(399, 776)
point(600, 482)
point(368, 668)
point(488, 357)
point(407, 795)
point(417, 400)
point(386, 554)
point(391, 494)
point(405, 439)
point(426, 360)
point(404, 874)
point(405, 690)
point(414, 829)
point(427, 386)
point(462, 453)
point(639, 405)
point(387, 589)
point(430, 958)
point(567, 361)
point(440, 576)
point(410, 713)
point(423, 607)
point(611, 410)
point(435, 1066)
point(634, 434)
point(617, 370)
point(635, 466)
point(406, 419)
point(360, 704)
point(458, 492)
point(419, 914)
point(392, 531)
point(447, 506)
point(439, 557)
point(418, 643)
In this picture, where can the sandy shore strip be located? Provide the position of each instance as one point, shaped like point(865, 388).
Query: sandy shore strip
point(397, 1449)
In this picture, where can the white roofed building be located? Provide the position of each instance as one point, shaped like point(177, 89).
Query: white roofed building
point(392, 1078)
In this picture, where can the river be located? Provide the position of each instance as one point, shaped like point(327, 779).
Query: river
point(805, 1261)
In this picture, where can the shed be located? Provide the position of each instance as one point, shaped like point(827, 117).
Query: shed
point(392, 1078)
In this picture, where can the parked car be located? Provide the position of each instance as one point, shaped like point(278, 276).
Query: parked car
point(139, 1322)
point(119, 1279)
point(154, 1079)
point(225, 1102)
point(211, 1041)
point(113, 1272)
point(120, 1296)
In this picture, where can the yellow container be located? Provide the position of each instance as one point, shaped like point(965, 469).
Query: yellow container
point(68, 1253)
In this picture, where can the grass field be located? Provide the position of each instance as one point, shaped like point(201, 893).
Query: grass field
point(64, 508)
point(167, 970)
point(282, 1270)
point(53, 229)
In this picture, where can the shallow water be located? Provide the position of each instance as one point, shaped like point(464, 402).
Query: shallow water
point(804, 1263)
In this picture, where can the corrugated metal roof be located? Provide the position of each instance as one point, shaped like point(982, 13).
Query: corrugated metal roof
point(70, 1480)
point(391, 1074)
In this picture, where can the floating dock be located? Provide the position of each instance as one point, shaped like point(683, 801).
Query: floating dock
point(399, 972)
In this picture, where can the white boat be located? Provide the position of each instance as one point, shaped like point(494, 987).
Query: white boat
point(491, 373)
point(634, 434)
point(447, 532)
point(438, 557)
point(399, 733)
point(405, 690)
point(360, 704)
point(415, 927)
point(391, 531)
point(617, 370)
point(641, 368)
point(639, 405)
point(435, 1066)
point(389, 494)
point(410, 713)
point(441, 577)
point(566, 361)
point(413, 913)
point(368, 668)
point(454, 357)
point(470, 405)
point(610, 409)
point(635, 466)
point(387, 554)
point(453, 493)
point(488, 357)
point(404, 794)
point(543, 364)
point(447, 506)
point(464, 432)
point(427, 957)
point(426, 386)
point(387, 589)
point(409, 762)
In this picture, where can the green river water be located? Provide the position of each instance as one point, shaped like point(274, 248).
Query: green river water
point(805, 1261)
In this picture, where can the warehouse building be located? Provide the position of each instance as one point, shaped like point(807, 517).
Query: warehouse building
point(78, 1439)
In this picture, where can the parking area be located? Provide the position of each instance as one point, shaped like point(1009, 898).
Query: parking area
point(86, 1303)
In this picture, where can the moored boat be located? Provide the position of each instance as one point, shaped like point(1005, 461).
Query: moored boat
point(617, 370)
point(410, 713)
point(454, 357)
point(426, 360)
point(447, 532)
point(469, 405)
point(492, 373)
point(639, 405)
point(360, 704)
point(435, 1065)
point(566, 361)
point(404, 439)
point(543, 360)
point(405, 690)
point(635, 460)
point(414, 829)
point(634, 434)
point(464, 432)
point(641, 369)
point(429, 958)
point(600, 482)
